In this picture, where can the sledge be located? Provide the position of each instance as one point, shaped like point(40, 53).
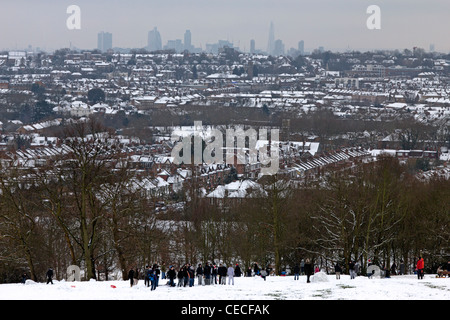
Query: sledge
point(442, 273)
point(113, 286)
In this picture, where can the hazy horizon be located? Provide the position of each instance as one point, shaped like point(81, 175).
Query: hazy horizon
point(334, 25)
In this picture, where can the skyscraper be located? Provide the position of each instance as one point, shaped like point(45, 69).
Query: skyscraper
point(271, 44)
point(278, 49)
point(188, 40)
point(154, 40)
point(252, 46)
point(301, 47)
point(104, 41)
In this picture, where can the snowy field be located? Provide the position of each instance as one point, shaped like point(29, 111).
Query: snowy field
point(255, 288)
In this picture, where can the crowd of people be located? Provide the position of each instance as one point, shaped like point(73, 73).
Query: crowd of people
point(186, 275)
point(212, 273)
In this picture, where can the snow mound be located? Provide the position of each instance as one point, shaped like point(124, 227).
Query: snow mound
point(319, 277)
point(29, 282)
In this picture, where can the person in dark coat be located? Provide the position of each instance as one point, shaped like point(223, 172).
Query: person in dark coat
point(200, 274)
point(402, 268)
point(24, 278)
point(214, 274)
point(147, 276)
point(191, 273)
point(309, 270)
point(237, 271)
point(50, 276)
point(222, 271)
point(207, 272)
point(337, 270)
point(180, 277)
point(296, 272)
point(185, 275)
point(131, 276)
point(256, 269)
point(351, 269)
point(171, 274)
point(156, 272)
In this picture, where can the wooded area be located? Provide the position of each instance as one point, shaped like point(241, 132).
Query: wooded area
point(86, 207)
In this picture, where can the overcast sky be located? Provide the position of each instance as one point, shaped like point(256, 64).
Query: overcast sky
point(333, 24)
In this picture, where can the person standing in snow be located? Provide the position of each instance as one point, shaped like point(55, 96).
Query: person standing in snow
point(207, 272)
point(153, 279)
point(191, 273)
point(171, 274)
point(402, 268)
point(222, 271)
point(50, 276)
point(351, 269)
point(263, 274)
point(230, 274)
point(420, 266)
point(296, 272)
point(214, 274)
point(337, 270)
point(185, 275)
point(256, 269)
point(24, 278)
point(163, 270)
point(394, 269)
point(147, 276)
point(237, 271)
point(156, 272)
point(131, 277)
point(199, 272)
point(180, 276)
point(302, 267)
point(308, 270)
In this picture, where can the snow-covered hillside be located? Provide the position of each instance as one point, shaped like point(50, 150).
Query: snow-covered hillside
point(406, 287)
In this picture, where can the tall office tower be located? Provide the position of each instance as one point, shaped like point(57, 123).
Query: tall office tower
point(301, 47)
point(188, 40)
point(154, 40)
point(278, 49)
point(104, 41)
point(271, 44)
point(252, 46)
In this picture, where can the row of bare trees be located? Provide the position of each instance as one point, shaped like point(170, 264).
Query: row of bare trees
point(87, 207)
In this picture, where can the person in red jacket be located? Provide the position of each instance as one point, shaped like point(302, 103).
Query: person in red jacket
point(420, 266)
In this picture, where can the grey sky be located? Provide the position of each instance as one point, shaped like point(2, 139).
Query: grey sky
point(333, 24)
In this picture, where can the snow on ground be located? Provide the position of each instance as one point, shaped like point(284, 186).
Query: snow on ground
point(406, 287)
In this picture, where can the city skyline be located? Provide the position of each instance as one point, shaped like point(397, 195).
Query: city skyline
point(336, 27)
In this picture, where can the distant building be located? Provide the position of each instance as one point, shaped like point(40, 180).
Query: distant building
point(278, 48)
point(176, 45)
point(104, 41)
point(154, 40)
point(252, 46)
point(188, 41)
point(301, 47)
point(271, 43)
